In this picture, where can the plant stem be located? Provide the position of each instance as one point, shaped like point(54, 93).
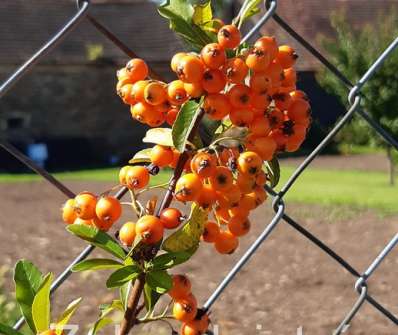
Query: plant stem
point(131, 311)
point(130, 315)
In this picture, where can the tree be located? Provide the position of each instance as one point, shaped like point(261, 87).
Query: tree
point(353, 50)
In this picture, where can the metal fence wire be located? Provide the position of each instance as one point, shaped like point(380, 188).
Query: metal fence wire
point(354, 101)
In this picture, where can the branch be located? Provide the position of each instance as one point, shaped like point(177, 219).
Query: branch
point(130, 316)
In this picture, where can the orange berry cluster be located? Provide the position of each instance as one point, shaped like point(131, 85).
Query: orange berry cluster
point(86, 208)
point(194, 321)
point(229, 185)
point(255, 89)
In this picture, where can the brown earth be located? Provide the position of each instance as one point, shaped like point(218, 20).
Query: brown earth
point(288, 283)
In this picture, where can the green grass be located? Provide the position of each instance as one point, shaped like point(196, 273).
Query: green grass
point(108, 175)
point(357, 189)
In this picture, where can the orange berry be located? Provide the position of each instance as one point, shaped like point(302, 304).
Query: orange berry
point(229, 37)
point(123, 174)
point(68, 211)
point(289, 77)
point(286, 56)
point(246, 183)
point(298, 109)
point(185, 309)
point(137, 69)
point(222, 179)
point(170, 217)
point(248, 201)
point(190, 69)
point(203, 164)
point(236, 70)
point(260, 82)
point(171, 115)
point(275, 118)
point(261, 179)
point(150, 229)
point(260, 195)
point(226, 242)
point(275, 72)
point(265, 147)
point(176, 92)
point(260, 101)
point(239, 96)
point(108, 209)
point(216, 106)
point(176, 59)
point(213, 56)
point(279, 138)
point(194, 90)
point(85, 205)
point(241, 117)
point(155, 93)
point(127, 234)
point(125, 93)
point(138, 90)
point(297, 94)
point(258, 60)
point(188, 187)
point(210, 232)
point(176, 156)
point(238, 211)
point(282, 100)
point(213, 81)
point(260, 126)
point(232, 197)
point(269, 45)
point(161, 155)
point(155, 117)
point(239, 225)
point(207, 197)
point(142, 112)
point(222, 214)
point(137, 177)
point(250, 163)
point(181, 287)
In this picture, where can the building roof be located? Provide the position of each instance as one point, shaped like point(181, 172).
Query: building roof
point(26, 25)
point(311, 18)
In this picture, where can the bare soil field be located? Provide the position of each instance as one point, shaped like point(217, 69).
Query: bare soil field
point(288, 284)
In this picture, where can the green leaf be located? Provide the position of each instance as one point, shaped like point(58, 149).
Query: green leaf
point(184, 123)
point(124, 292)
point(151, 297)
point(141, 156)
point(273, 171)
point(7, 330)
point(66, 315)
point(207, 129)
point(27, 279)
point(179, 13)
point(97, 238)
point(159, 281)
point(181, 7)
point(248, 9)
point(170, 259)
point(101, 323)
point(123, 275)
point(187, 237)
point(106, 309)
point(96, 264)
point(41, 305)
point(160, 136)
point(202, 13)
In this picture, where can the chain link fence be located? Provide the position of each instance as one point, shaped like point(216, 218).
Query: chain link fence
point(354, 107)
